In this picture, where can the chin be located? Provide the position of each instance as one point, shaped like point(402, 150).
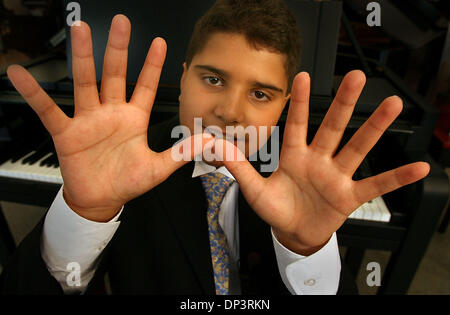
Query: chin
point(215, 163)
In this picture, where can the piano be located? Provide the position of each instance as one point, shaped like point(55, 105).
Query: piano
point(38, 165)
point(402, 221)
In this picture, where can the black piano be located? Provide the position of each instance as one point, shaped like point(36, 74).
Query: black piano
point(402, 221)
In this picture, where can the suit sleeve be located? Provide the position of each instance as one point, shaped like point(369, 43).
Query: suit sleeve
point(26, 272)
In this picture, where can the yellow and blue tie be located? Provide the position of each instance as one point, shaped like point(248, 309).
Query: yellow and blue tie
point(216, 185)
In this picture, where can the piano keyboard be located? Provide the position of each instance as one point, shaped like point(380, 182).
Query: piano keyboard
point(46, 169)
point(32, 167)
point(374, 210)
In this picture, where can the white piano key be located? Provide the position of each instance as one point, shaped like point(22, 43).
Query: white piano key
point(43, 172)
point(46, 170)
point(55, 175)
point(9, 165)
point(33, 172)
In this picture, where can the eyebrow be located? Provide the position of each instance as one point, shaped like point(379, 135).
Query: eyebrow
point(225, 75)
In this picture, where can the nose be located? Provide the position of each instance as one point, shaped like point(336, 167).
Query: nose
point(230, 110)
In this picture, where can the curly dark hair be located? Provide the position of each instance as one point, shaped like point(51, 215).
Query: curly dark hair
point(267, 24)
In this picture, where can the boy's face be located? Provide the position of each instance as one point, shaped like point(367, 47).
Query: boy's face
point(230, 83)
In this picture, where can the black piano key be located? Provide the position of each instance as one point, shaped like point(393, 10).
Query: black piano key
point(46, 161)
point(24, 161)
point(44, 148)
point(54, 160)
point(53, 157)
point(20, 153)
point(32, 159)
point(51, 161)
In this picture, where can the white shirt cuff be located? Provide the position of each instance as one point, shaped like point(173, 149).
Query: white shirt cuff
point(69, 238)
point(318, 273)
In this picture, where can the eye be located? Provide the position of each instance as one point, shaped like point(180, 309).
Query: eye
point(261, 96)
point(212, 80)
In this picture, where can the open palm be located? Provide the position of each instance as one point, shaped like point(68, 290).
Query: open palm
point(103, 150)
point(312, 192)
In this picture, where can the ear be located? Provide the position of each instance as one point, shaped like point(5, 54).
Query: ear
point(286, 99)
point(182, 81)
point(183, 75)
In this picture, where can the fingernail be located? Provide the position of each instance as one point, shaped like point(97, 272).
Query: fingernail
point(304, 72)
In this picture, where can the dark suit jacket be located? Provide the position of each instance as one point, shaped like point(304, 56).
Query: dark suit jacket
point(162, 245)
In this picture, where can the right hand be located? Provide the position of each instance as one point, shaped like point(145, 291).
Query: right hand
point(103, 151)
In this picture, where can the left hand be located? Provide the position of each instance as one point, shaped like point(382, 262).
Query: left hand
point(312, 192)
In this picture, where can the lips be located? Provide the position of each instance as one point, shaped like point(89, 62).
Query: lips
point(215, 131)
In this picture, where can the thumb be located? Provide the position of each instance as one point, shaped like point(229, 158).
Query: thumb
point(251, 183)
point(184, 152)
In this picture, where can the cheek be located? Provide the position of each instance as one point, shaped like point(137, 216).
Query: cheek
point(193, 105)
point(264, 123)
point(265, 118)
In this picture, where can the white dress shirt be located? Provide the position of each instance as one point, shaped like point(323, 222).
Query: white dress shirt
point(68, 237)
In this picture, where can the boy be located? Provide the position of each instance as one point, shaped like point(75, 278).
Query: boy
point(272, 235)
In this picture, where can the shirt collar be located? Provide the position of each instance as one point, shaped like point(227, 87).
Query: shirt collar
point(202, 168)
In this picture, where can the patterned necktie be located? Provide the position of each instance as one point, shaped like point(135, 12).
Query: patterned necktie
point(216, 185)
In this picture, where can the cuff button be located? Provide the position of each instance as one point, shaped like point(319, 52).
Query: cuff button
point(310, 282)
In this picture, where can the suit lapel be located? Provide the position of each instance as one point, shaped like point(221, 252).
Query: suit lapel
point(254, 233)
point(185, 202)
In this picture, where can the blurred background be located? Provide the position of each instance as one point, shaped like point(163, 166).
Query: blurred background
point(407, 53)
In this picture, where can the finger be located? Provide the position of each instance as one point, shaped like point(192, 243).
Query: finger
point(296, 129)
point(147, 84)
point(114, 76)
point(53, 118)
point(251, 183)
point(369, 188)
point(330, 132)
point(181, 153)
point(83, 68)
point(354, 152)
